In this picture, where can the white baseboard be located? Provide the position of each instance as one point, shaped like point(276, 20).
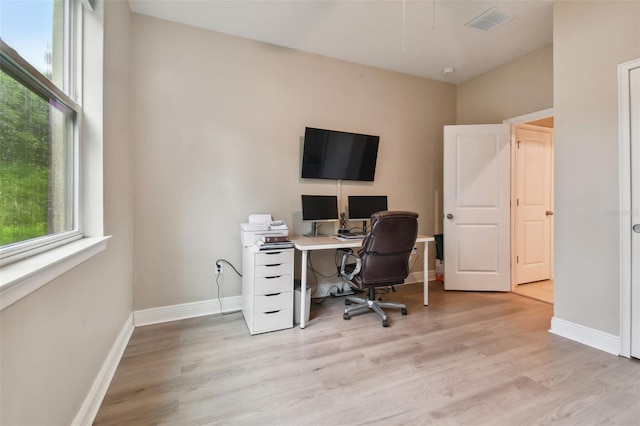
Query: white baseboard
point(587, 336)
point(323, 289)
point(91, 404)
point(89, 409)
point(186, 310)
point(418, 277)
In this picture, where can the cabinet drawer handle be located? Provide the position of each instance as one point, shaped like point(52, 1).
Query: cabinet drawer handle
point(272, 312)
point(269, 253)
point(272, 265)
point(272, 294)
point(270, 278)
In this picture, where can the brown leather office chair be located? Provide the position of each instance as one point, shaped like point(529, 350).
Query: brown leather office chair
point(382, 261)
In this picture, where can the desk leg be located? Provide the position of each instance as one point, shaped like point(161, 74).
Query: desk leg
point(426, 273)
point(303, 289)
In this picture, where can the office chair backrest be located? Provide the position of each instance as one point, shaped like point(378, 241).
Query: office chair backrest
point(386, 248)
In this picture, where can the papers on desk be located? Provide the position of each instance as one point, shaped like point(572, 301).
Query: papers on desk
point(347, 237)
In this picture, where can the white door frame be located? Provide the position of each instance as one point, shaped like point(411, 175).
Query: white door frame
point(518, 212)
point(625, 212)
point(523, 119)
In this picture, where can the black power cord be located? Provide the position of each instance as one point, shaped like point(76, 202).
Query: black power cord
point(218, 265)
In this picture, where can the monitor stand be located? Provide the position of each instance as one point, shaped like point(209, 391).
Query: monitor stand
point(364, 227)
point(314, 231)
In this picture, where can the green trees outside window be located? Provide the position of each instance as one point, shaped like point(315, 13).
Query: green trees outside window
point(36, 163)
point(39, 166)
point(24, 162)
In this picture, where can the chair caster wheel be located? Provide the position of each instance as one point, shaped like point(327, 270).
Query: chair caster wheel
point(404, 311)
point(347, 301)
point(346, 316)
point(385, 323)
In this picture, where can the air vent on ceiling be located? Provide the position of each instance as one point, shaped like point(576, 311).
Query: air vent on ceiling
point(490, 19)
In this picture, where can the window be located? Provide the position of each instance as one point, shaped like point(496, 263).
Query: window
point(39, 126)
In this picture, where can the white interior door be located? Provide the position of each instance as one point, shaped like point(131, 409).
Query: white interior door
point(533, 210)
point(634, 99)
point(476, 207)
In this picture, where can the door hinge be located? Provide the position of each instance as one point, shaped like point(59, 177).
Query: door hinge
point(518, 144)
point(517, 259)
point(518, 202)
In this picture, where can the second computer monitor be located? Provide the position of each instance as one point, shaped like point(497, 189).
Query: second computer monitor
point(361, 207)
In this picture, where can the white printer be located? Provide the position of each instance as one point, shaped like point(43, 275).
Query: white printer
point(259, 225)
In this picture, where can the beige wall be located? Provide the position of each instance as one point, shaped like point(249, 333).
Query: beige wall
point(55, 340)
point(215, 135)
point(590, 40)
point(218, 122)
point(519, 87)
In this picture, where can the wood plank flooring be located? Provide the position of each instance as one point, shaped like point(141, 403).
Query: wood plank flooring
point(539, 290)
point(466, 359)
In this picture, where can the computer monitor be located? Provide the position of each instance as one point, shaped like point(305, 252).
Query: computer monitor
point(319, 208)
point(361, 207)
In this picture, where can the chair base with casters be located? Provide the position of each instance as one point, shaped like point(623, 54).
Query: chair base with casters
point(371, 303)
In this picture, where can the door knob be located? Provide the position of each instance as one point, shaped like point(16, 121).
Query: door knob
point(549, 213)
point(636, 227)
point(449, 216)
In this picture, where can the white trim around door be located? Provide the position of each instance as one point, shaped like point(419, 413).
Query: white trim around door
point(625, 212)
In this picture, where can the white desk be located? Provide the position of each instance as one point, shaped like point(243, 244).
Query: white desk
point(305, 244)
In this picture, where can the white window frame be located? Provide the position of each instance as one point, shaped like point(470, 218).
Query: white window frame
point(23, 272)
point(33, 80)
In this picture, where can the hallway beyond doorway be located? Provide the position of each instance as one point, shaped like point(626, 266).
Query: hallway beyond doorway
point(539, 290)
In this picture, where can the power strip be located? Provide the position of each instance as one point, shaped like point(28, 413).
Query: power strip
point(336, 289)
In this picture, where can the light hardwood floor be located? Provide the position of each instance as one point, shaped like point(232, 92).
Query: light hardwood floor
point(466, 359)
point(539, 290)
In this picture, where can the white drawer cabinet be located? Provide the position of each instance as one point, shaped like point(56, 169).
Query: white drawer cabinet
point(267, 289)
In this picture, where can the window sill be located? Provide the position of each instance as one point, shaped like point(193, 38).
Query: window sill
point(21, 278)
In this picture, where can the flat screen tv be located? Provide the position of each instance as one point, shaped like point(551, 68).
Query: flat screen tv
point(331, 154)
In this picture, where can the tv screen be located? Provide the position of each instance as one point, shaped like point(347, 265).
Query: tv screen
point(361, 207)
point(330, 154)
point(320, 207)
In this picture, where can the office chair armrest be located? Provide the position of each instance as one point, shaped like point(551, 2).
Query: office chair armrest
point(349, 275)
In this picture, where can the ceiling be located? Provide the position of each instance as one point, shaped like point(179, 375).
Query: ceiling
point(419, 38)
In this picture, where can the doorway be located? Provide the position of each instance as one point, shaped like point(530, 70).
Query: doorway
point(629, 96)
point(532, 206)
point(479, 213)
